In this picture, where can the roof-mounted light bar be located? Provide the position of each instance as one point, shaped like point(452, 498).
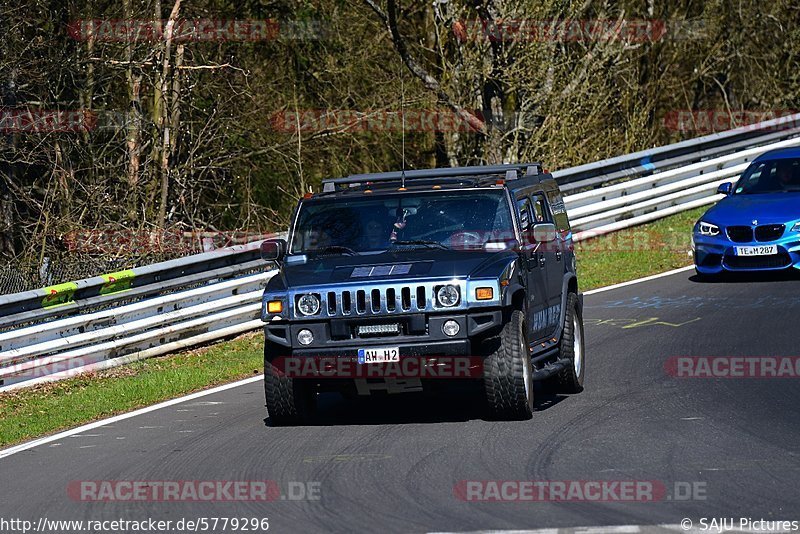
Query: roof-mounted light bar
point(511, 171)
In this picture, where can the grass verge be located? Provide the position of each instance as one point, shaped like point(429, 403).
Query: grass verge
point(48, 408)
point(637, 252)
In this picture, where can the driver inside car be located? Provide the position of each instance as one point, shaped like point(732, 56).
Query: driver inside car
point(375, 235)
point(786, 176)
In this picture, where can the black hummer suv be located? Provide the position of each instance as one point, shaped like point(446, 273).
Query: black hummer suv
point(474, 263)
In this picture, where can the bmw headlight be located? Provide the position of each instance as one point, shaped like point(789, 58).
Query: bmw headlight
point(308, 304)
point(708, 229)
point(447, 296)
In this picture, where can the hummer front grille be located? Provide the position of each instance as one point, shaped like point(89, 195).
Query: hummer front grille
point(380, 299)
point(385, 299)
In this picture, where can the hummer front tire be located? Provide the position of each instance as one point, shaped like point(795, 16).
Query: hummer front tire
point(290, 401)
point(507, 373)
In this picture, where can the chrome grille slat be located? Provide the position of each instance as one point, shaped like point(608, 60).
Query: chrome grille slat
point(361, 301)
point(340, 304)
point(328, 302)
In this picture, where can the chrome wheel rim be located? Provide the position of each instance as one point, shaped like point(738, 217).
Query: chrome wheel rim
point(526, 369)
point(577, 346)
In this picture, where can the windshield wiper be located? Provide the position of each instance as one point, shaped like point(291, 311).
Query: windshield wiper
point(333, 249)
point(422, 242)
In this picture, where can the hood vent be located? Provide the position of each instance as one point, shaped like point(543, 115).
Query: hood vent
point(372, 271)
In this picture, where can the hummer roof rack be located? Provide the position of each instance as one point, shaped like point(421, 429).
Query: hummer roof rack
point(511, 171)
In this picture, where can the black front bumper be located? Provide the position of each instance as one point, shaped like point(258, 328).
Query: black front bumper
point(420, 334)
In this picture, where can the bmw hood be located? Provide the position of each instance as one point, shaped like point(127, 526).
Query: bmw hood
point(774, 208)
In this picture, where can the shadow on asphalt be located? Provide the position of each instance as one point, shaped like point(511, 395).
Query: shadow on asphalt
point(459, 403)
point(791, 275)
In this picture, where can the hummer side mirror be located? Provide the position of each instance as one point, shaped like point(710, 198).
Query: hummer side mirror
point(273, 249)
point(544, 232)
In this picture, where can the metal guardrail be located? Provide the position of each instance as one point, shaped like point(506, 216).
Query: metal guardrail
point(604, 209)
point(114, 319)
point(14, 307)
point(659, 159)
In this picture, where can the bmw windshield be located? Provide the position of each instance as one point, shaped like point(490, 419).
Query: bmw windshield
point(770, 176)
point(470, 220)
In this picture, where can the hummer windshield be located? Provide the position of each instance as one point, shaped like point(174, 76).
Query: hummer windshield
point(470, 220)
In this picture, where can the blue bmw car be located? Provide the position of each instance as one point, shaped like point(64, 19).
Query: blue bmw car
point(756, 227)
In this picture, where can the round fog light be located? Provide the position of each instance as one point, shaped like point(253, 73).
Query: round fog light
point(305, 337)
point(450, 328)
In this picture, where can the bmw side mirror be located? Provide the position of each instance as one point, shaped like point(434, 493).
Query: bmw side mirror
point(544, 232)
point(273, 249)
point(725, 189)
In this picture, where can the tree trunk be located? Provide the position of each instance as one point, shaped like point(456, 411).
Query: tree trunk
point(7, 218)
point(164, 118)
point(132, 126)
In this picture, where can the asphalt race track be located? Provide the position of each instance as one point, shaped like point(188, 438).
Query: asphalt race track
point(391, 464)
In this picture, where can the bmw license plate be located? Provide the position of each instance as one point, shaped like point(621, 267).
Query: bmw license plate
point(766, 250)
point(379, 355)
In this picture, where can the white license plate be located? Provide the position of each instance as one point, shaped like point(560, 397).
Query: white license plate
point(766, 250)
point(379, 355)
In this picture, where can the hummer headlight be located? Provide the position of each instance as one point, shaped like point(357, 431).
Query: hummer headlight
point(308, 304)
point(447, 296)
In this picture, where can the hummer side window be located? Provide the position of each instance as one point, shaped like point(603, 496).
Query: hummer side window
point(524, 210)
point(523, 207)
point(559, 211)
point(540, 212)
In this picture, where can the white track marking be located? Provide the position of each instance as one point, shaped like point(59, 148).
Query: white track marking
point(97, 424)
point(91, 426)
point(639, 280)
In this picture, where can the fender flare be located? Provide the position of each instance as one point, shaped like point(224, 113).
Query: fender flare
point(569, 284)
